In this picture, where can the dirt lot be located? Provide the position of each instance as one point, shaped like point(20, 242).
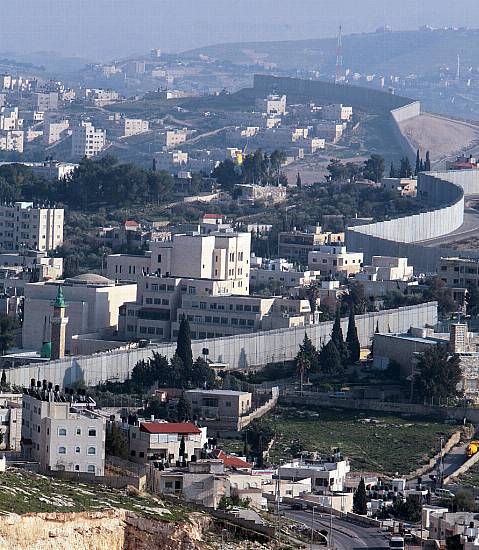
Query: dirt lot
point(442, 137)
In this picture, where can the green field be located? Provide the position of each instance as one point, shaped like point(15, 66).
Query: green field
point(22, 492)
point(374, 442)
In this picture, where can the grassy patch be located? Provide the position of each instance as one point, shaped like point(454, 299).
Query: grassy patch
point(22, 492)
point(375, 442)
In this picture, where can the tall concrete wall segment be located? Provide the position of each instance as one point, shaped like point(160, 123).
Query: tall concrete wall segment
point(402, 114)
point(361, 98)
point(241, 351)
point(444, 192)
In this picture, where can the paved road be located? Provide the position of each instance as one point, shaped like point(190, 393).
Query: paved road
point(346, 535)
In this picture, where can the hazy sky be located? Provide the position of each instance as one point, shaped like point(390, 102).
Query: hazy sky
point(104, 29)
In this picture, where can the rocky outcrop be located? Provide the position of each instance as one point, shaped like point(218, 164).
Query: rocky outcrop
point(107, 530)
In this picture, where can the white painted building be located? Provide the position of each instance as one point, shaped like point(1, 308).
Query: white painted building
point(54, 131)
point(335, 261)
point(87, 141)
point(62, 432)
point(134, 126)
point(24, 225)
point(12, 140)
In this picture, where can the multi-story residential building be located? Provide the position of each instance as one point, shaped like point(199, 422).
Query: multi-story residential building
point(134, 126)
point(459, 272)
point(173, 138)
point(160, 440)
point(26, 226)
point(337, 111)
point(279, 273)
point(11, 421)
point(55, 131)
point(46, 101)
point(100, 98)
point(12, 140)
point(328, 474)
point(211, 307)
point(218, 256)
point(335, 261)
point(92, 303)
point(295, 245)
point(62, 432)
point(386, 268)
point(9, 119)
point(87, 141)
point(273, 105)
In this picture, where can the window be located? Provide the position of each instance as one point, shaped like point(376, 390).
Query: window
point(78, 450)
point(78, 432)
point(77, 467)
point(62, 450)
point(91, 468)
point(62, 432)
point(91, 432)
point(91, 451)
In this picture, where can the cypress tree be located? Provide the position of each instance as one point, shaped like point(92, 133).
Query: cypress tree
point(337, 337)
point(392, 171)
point(427, 164)
point(298, 180)
point(183, 349)
point(352, 340)
point(330, 360)
point(3, 380)
point(418, 163)
point(360, 500)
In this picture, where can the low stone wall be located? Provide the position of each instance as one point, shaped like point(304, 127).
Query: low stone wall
point(453, 440)
point(116, 482)
point(464, 468)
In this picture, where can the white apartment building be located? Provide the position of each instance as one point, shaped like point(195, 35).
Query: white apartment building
point(211, 307)
point(280, 272)
point(328, 474)
point(12, 140)
point(9, 119)
point(337, 111)
point(46, 101)
point(386, 268)
point(23, 225)
point(87, 141)
point(55, 131)
point(134, 126)
point(11, 421)
point(62, 432)
point(173, 138)
point(273, 105)
point(93, 303)
point(335, 261)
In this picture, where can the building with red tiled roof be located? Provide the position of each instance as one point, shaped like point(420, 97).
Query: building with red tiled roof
point(160, 441)
point(232, 462)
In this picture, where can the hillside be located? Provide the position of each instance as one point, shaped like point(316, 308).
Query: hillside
point(401, 52)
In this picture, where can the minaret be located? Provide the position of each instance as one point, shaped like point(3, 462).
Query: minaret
point(59, 326)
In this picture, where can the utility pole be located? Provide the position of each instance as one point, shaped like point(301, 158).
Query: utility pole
point(331, 524)
point(312, 529)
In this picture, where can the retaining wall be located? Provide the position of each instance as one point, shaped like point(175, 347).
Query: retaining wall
point(240, 351)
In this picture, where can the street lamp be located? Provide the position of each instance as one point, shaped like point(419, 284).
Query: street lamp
point(312, 529)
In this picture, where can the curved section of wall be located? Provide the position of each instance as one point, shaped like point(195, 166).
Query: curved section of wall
point(401, 114)
point(444, 192)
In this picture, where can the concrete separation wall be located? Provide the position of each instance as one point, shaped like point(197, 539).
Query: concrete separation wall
point(402, 114)
point(444, 191)
point(451, 442)
point(241, 351)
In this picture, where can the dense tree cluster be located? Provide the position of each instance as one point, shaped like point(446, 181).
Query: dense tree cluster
point(92, 184)
point(256, 168)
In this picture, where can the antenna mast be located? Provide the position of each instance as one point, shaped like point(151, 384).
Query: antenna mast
point(339, 55)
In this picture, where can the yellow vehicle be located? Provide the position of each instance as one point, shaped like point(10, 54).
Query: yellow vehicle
point(472, 448)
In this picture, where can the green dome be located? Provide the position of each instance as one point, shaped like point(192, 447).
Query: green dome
point(46, 351)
